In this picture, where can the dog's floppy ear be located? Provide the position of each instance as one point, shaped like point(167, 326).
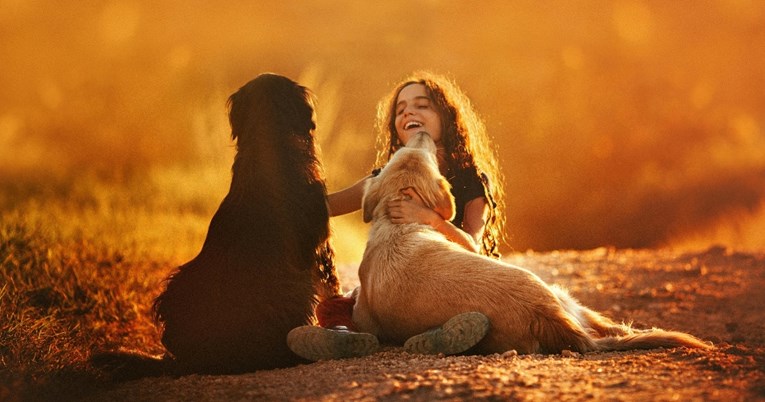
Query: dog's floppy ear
point(436, 196)
point(444, 204)
point(371, 198)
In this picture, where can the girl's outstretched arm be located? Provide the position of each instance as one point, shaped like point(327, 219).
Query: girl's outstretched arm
point(346, 200)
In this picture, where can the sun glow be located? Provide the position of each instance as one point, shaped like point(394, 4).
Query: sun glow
point(647, 115)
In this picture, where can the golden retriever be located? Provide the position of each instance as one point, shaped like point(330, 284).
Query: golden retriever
point(414, 279)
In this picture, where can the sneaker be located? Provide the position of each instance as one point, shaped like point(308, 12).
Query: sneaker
point(460, 333)
point(317, 343)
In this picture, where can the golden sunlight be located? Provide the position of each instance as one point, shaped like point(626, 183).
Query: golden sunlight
point(119, 22)
point(634, 22)
point(604, 114)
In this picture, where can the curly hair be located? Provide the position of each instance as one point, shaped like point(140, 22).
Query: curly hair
point(465, 141)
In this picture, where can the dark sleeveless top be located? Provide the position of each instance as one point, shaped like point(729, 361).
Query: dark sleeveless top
point(466, 185)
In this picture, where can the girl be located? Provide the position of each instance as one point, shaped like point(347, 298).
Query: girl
point(434, 104)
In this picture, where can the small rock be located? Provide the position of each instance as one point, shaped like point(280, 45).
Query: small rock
point(510, 354)
point(569, 353)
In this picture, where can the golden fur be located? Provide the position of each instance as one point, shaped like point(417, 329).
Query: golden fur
point(414, 279)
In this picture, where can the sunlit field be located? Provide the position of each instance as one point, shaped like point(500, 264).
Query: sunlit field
point(628, 124)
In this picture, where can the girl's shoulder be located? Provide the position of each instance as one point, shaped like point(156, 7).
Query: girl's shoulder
point(470, 183)
point(471, 176)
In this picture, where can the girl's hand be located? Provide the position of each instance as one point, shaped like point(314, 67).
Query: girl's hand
point(409, 208)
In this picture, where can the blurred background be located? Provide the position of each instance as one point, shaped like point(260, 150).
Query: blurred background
point(618, 123)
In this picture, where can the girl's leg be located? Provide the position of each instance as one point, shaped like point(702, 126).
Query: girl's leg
point(335, 337)
point(336, 312)
point(317, 343)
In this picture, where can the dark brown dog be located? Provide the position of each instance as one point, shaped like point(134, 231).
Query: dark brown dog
point(266, 261)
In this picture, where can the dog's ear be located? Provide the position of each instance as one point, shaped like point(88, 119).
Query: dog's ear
point(371, 198)
point(444, 204)
point(436, 195)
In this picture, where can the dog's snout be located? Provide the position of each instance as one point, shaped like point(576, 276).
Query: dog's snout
point(422, 136)
point(422, 140)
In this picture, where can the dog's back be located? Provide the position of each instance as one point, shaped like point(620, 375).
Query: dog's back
point(266, 260)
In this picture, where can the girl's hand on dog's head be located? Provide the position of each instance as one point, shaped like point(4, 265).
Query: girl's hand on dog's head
point(409, 193)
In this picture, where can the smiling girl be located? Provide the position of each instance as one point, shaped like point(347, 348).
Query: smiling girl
point(434, 104)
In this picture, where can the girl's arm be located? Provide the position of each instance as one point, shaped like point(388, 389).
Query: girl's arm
point(346, 200)
point(413, 210)
point(474, 219)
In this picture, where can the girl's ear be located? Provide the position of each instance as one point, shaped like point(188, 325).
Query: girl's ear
point(444, 204)
point(370, 199)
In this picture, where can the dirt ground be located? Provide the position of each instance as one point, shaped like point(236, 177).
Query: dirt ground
point(717, 295)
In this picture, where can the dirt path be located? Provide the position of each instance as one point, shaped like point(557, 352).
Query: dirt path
point(717, 295)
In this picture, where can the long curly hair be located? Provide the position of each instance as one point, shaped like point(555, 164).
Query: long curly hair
point(465, 141)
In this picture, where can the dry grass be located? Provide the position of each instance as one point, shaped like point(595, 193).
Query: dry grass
point(80, 264)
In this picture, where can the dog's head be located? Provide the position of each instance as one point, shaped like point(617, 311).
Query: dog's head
point(413, 166)
point(271, 104)
point(272, 121)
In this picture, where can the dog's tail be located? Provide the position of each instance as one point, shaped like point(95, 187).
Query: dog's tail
point(125, 365)
point(650, 339)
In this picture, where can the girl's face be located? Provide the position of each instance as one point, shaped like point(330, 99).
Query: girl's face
point(415, 112)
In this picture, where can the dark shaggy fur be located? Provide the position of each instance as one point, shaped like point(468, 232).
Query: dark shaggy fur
point(266, 261)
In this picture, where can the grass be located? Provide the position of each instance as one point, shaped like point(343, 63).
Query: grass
point(80, 263)
point(62, 299)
